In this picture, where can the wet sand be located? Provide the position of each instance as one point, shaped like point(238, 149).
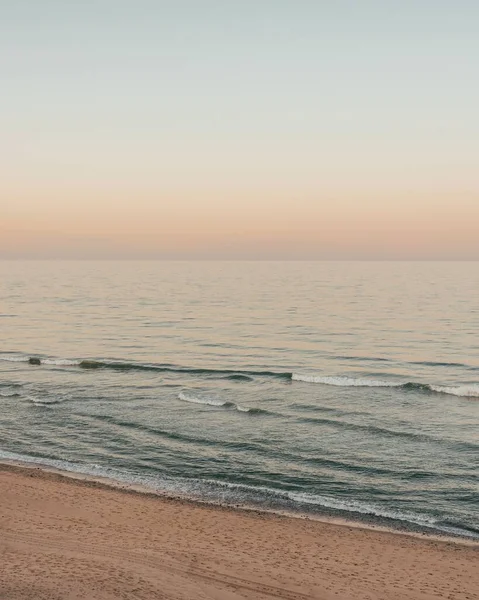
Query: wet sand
point(62, 538)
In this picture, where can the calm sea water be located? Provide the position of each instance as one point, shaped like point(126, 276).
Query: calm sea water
point(343, 388)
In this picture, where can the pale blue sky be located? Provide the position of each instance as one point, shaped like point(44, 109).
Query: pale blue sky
point(203, 116)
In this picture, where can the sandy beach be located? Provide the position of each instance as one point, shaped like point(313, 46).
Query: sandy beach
point(70, 539)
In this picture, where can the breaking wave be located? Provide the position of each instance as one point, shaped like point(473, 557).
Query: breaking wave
point(14, 358)
point(43, 400)
point(344, 381)
point(189, 397)
point(465, 390)
point(59, 362)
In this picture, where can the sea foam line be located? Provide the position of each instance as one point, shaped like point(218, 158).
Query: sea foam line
point(239, 494)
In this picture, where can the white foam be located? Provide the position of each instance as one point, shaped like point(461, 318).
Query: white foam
point(43, 401)
point(201, 400)
point(351, 505)
point(14, 358)
point(344, 381)
point(60, 362)
point(189, 397)
point(465, 391)
point(305, 498)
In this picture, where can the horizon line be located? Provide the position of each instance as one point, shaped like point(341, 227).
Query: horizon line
point(170, 259)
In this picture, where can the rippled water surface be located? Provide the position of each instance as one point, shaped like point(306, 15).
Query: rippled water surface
point(346, 388)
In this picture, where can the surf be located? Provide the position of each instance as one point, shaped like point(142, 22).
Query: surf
point(217, 403)
point(240, 376)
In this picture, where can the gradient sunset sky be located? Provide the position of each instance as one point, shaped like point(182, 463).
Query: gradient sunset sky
point(239, 129)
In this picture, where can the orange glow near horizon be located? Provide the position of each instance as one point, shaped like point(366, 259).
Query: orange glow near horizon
point(286, 228)
point(246, 132)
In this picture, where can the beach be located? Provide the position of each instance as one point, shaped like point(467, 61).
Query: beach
point(239, 318)
point(72, 538)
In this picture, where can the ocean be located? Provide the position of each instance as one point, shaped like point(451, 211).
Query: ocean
point(343, 389)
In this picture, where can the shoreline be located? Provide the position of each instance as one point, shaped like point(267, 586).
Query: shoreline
point(68, 538)
point(37, 469)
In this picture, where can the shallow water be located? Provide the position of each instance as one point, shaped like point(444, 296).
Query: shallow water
point(351, 388)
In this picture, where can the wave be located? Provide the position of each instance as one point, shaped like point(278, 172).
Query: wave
point(16, 390)
point(343, 381)
point(339, 424)
point(465, 390)
point(251, 410)
point(432, 363)
point(393, 433)
point(9, 393)
point(259, 448)
point(59, 362)
point(175, 436)
point(202, 400)
point(230, 373)
point(14, 358)
point(189, 397)
point(43, 401)
point(9, 389)
point(36, 360)
point(364, 358)
point(238, 377)
point(316, 408)
point(233, 374)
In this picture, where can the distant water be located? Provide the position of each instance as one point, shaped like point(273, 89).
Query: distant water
point(349, 389)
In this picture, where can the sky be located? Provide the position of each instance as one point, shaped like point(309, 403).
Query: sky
point(218, 129)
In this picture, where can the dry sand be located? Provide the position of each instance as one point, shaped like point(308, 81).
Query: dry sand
point(61, 538)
